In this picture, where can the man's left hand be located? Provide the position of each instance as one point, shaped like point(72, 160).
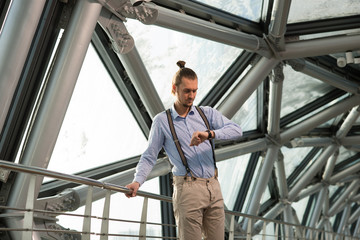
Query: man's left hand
point(198, 137)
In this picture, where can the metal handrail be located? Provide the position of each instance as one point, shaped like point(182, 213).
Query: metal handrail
point(77, 179)
point(246, 233)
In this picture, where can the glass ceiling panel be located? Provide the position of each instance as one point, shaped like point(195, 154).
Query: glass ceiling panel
point(344, 154)
point(231, 173)
point(310, 10)
point(325, 124)
point(97, 119)
point(299, 207)
point(161, 48)
point(249, 9)
point(293, 157)
point(290, 167)
point(246, 116)
point(254, 180)
point(310, 87)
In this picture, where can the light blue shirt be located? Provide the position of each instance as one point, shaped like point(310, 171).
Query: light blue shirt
point(199, 158)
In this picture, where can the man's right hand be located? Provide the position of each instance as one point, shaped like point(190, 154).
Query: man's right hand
point(134, 186)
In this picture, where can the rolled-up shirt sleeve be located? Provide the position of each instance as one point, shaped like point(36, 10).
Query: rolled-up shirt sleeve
point(224, 128)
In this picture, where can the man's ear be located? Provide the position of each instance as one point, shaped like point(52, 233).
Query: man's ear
point(173, 90)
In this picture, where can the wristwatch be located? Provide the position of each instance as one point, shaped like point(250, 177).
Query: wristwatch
point(210, 135)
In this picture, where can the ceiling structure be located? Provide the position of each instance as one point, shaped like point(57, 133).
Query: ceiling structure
point(287, 71)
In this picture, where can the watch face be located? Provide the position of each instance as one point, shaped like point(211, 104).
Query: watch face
point(209, 134)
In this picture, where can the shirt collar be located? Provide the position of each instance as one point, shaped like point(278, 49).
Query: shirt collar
point(174, 113)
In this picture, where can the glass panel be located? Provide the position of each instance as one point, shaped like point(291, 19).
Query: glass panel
point(231, 173)
point(344, 154)
point(39, 95)
point(161, 48)
point(300, 207)
point(293, 157)
point(293, 98)
point(289, 165)
point(249, 9)
point(254, 180)
point(309, 10)
point(246, 116)
point(266, 196)
point(269, 234)
point(4, 11)
point(325, 124)
point(97, 123)
point(332, 189)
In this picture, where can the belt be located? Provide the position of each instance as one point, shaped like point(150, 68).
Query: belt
point(180, 179)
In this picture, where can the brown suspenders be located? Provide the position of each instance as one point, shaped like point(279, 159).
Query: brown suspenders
point(177, 143)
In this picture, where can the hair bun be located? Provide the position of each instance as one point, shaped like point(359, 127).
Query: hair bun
point(181, 64)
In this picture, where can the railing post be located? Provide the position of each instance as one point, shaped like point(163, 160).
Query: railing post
point(142, 231)
point(105, 217)
point(249, 229)
point(87, 215)
point(29, 213)
point(276, 230)
point(232, 228)
point(264, 231)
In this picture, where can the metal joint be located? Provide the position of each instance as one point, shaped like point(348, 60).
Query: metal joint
point(337, 141)
point(285, 201)
point(325, 183)
point(273, 139)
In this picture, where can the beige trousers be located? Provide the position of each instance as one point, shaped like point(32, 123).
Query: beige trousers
point(198, 208)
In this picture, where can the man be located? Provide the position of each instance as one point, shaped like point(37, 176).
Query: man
point(197, 200)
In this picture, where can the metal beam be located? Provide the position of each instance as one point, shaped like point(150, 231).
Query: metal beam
point(15, 41)
point(346, 172)
point(231, 151)
point(329, 167)
point(185, 23)
point(279, 18)
point(120, 78)
point(317, 209)
point(324, 25)
point(228, 79)
point(348, 123)
point(308, 191)
point(344, 218)
point(336, 205)
point(320, 46)
point(311, 142)
point(140, 78)
point(324, 75)
point(354, 216)
point(56, 98)
point(322, 117)
point(238, 96)
point(277, 26)
point(311, 107)
point(275, 97)
point(312, 171)
point(209, 13)
point(261, 184)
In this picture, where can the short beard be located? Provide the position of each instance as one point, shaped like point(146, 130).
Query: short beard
point(186, 105)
